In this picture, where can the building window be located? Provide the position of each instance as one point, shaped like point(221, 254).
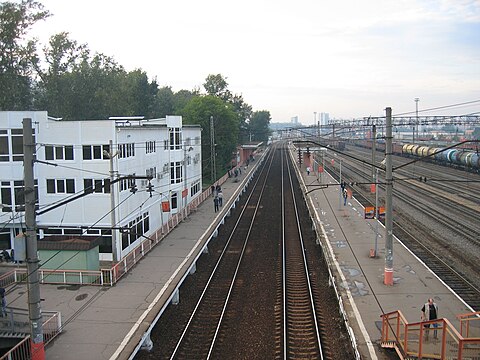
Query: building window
point(175, 138)
point(96, 185)
point(127, 184)
point(174, 200)
point(126, 150)
point(11, 144)
point(6, 196)
point(95, 152)
point(17, 144)
point(150, 147)
point(14, 197)
point(135, 229)
point(195, 188)
point(58, 152)
point(175, 172)
point(60, 186)
point(4, 145)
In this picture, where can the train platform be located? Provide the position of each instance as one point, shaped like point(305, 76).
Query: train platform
point(108, 322)
point(349, 237)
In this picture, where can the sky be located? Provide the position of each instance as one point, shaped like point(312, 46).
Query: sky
point(348, 58)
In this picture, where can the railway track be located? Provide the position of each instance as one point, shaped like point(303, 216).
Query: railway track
point(201, 333)
point(301, 327)
point(261, 298)
point(409, 233)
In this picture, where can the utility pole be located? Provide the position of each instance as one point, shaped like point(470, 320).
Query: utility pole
point(376, 214)
point(416, 121)
point(33, 283)
point(113, 220)
point(374, 150)
point(388, 274)
point(212, 150)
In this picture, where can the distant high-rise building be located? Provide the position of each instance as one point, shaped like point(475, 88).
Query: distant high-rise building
point(324, 118)
point(294, 120)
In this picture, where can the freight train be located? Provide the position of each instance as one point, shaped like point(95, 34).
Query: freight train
point(460, 157)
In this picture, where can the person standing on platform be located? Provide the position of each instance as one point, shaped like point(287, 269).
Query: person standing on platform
point(213, 190)
point(308, 170)
point(220, 198)
point(345, 196)
point(430, 312)
point(4, 302)
point(215, 203)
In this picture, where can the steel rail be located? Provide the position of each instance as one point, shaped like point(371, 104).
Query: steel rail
point(304, 266)
point(463, 287)
point(221, 258)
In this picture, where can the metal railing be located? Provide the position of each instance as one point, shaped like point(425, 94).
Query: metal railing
point(52, 326)
point(109, 276)
point(434, 339)
point(470, 324)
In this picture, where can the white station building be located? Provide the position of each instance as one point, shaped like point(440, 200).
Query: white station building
point(80, 158)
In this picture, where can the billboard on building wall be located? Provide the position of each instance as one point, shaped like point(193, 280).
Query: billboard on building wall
point(165, 206)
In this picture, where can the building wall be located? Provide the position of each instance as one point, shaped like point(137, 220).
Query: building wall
point(70, 259)
point(140, 148)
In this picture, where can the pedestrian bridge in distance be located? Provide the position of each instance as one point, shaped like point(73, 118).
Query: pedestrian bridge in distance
point(440, 340)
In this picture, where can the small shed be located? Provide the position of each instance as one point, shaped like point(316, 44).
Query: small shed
point(69, 253)
point(246, 152)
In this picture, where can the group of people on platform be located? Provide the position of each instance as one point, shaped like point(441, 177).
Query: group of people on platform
point(217, 197)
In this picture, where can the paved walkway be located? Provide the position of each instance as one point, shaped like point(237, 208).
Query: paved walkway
point(108, 322)
point(349, 238)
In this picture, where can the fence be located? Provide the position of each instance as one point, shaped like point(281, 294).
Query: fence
point(434, 339)
point(110, 276)
point(51, 328)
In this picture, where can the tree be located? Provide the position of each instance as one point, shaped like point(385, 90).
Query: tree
point(63, 56)
point(164, 102)
point(244, 112)
point(198, 111)
point(18, 55)
point(182, 98)
point(258, 125)
point(216, 85)
point(139, 94)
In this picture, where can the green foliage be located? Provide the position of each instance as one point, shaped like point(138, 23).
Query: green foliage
point(76, 85)
point(216, 85)
point(164, 102)
point(259, 125)
point(18, 56)
point(73, 83)
point(198, 111)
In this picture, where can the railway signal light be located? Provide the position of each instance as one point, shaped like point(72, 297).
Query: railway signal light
point(423, 178)
point(300, 156)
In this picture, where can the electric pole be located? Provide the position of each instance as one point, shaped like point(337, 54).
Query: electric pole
point(33, 283)
point(374, 150)
point(113, 220)
point(388, 274)
point(416, 121)
point(212, 150)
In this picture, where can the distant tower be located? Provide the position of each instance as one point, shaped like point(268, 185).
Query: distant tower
point(294, 120)
point(324, 118)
